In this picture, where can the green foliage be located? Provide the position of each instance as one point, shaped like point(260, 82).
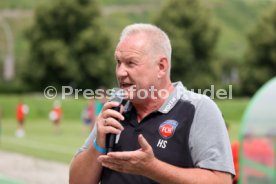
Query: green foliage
point(193, 40)
point(235, 18)
point(22, 4)
point(68, 46)
point(260, 58)
point(30, 4)
point(124, 2)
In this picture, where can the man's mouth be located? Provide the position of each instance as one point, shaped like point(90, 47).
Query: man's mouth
point(125, 85)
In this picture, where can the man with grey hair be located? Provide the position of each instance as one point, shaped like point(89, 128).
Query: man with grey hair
point(169, 136)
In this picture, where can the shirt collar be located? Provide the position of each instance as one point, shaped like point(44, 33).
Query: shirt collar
point(170, 102)
point(173, 98)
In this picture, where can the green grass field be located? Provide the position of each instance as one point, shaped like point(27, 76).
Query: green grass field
point(41, 140)
point(233, 111)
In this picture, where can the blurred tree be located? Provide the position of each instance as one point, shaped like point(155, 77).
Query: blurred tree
point(68, 46)
point(193, 40)
point(260, 58)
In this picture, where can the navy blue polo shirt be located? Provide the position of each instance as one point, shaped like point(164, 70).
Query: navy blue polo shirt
point(187, 131)
point(166, 132)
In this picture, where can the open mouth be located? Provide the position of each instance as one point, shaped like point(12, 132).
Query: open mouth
point(125, 85)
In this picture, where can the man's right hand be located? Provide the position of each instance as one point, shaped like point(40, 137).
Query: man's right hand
point(108, 122)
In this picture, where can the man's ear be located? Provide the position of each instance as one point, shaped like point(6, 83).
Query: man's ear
point(163, 67)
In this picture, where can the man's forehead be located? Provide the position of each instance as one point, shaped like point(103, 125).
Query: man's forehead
point(128, 53)
point(128, 46)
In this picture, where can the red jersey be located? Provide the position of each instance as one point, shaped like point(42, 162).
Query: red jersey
point(58, 113)
point(20, 112)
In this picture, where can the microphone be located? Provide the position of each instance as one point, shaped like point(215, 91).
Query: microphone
point(111, 138)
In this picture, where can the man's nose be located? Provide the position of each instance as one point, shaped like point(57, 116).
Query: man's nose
point(121, 71)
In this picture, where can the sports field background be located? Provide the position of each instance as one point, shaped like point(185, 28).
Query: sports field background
point(41, 141)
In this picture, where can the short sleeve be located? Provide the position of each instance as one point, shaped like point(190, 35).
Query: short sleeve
point(209, 141)
point(88, 141)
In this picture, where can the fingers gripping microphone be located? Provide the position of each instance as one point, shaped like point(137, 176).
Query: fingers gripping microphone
point(111, 138)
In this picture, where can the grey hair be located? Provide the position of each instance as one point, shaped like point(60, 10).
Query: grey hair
point(159, 40)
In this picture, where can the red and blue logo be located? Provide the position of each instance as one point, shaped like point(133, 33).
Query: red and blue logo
point(167, 128)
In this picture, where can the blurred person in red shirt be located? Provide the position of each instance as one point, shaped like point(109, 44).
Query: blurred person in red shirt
point(21, 111)
point(55, 116)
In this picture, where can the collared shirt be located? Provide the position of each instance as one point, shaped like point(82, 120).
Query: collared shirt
point(186, 131)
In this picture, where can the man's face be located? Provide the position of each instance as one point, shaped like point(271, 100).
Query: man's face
point(135, 69)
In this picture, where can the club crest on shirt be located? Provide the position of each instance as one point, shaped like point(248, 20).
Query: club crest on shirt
point(167, 128)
